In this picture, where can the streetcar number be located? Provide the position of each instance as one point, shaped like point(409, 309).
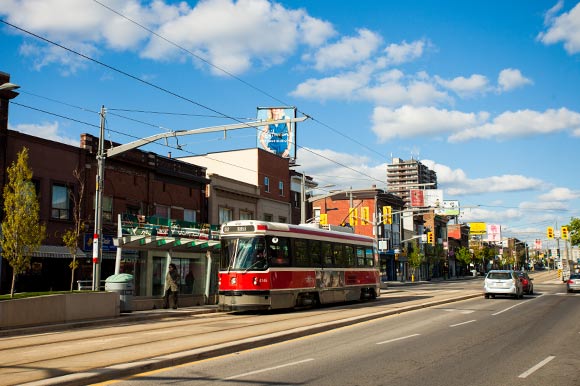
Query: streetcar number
point(238, 228)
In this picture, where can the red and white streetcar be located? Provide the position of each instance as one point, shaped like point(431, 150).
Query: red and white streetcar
point(267, 265)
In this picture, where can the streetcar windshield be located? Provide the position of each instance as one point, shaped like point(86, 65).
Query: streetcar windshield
point(244, 253)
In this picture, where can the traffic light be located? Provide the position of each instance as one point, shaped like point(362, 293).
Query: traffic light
point(430, 237)
point(550, 232)
point(564, 233)
point(323, 219)
point(365, 214)
point(387, 215)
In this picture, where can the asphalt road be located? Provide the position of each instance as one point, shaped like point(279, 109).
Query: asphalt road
point(80, 356)
point(483, 342)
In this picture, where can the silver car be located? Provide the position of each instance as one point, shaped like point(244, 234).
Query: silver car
point(502, 282)
point(573, 283)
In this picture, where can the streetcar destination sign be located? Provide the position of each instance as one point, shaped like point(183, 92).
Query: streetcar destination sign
point(238, 228)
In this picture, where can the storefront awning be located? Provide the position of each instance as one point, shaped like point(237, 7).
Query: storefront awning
point(165, 243)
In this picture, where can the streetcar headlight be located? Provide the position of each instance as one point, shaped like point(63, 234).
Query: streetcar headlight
point(233, 280)
point(255, 281)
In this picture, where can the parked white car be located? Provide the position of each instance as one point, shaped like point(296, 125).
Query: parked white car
point(502, 282)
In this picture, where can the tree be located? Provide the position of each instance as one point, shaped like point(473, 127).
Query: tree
point(72, 236)
point(464, 256)
point(574, 231)
point(22, 232)
point(415, 259)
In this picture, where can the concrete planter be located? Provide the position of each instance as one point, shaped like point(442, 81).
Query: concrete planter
point(61, 308)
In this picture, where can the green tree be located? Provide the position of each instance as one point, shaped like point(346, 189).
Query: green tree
point(574, 231)
point(415, 259)
point(22, 232)
point(464, 256)
point(71, 237)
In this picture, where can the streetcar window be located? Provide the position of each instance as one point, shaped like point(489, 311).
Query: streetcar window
point(278, 251)
point(227, 253)
point(339, 256)
point(349, 255)
point(250, 253)
point(300, 250)
point(360, 256)
point(314, 249)
point(326, 252)
point(369, 258)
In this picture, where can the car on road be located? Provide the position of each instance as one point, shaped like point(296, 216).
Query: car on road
point(573, 283)
point(502, 282)
point(526, 282)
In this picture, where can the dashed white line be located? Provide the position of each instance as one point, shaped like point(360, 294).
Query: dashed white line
point(461, 324)
point(509, 308)
point(269, 369)
point(536, 367)
point(401, 338)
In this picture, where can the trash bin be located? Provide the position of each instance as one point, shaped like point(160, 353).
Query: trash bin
point(123, 285)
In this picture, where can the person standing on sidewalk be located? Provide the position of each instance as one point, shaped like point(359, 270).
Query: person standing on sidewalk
point(171, 286)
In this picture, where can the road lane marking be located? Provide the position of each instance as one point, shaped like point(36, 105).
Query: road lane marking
point(401, 338)
point(269, 369)
point(509, 308)
point(461, 324)
point(536, 367)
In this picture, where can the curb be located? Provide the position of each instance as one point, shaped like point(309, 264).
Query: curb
point(156, 363)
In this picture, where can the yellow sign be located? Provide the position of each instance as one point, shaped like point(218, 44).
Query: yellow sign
point(477, 228)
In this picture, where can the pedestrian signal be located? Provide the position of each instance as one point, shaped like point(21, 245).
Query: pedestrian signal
point(564, 232)
point(387, 215)
point(550, 232)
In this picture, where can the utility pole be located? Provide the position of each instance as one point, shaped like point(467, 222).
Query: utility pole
point(98, 234)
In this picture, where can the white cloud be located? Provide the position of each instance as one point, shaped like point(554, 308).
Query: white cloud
point(560, 194)
point(233, 35)
point(564, 28)
point(342, 87)
point(510, 79)
point(475, 84)
point(348, 51)
point(48, 131)
point(408, 121)
point(522, 123)
point(455, 182)
point(404, 52)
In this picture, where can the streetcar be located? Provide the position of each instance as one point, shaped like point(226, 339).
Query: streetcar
point(267, 265)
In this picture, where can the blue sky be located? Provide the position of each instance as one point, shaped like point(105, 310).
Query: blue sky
point(483, 92)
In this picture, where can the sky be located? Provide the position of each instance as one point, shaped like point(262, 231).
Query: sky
point(486, 93)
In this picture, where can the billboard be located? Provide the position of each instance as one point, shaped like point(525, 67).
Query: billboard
point(432, 198)
point(448, 208)
point(454, 231)
point(494, 233)
point(280, 138)
point(477, 228)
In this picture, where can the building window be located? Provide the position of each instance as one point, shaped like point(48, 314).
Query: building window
point(267, 184)
point(60, 202)
point(282, 219)
point(246, 215)
point(225, 215)
point(190, 215)
point(297, 199)
point(281, 188)
point(162, 211)
point(268, 217)
point(107, 208)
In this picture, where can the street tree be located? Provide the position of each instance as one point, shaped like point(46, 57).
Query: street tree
point(415, 259)
point(464, 256)
point(71, 236)
point(22, 232)
point(574, 231)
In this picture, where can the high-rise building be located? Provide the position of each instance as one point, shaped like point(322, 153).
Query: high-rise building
point(402, 176)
